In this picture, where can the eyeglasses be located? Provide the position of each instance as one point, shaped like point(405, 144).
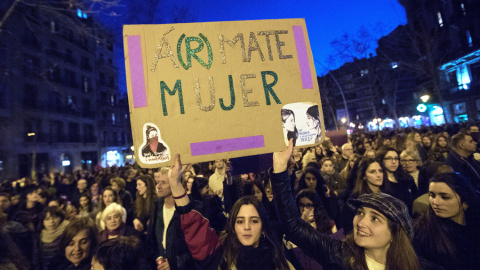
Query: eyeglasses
point(303, 206)
point(391, 159)
point(408, 160)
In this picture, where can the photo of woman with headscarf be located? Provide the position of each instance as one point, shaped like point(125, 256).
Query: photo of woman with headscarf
point(288, 119)
point(152, 147)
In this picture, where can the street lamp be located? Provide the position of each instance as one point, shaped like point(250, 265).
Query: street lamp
point(34, 155)
point(344, 120)
point(425, 98)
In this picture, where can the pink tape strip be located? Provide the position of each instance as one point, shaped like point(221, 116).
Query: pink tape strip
point(303, 61)
point(227, 145)
point(136, 71)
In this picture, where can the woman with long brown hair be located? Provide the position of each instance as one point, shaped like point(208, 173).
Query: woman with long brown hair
point(246, 243)
point(371, 178)
point(144, 202)
point(448, 234)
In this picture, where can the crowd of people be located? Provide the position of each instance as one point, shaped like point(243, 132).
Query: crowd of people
point(404, 199)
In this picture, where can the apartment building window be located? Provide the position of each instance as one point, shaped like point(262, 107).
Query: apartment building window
point(53, 27)
point(89, 133)
point(462, 5)
point(112, 100)
point(30, 97)
point(73, 132)
point(113, 119)
point(69, 57)
point(53, 73)
point(30, 65)
point(364, 72)
point(102, 78)
point(475, 71)
point(70, 78)
point(85, 84)
point(469, 38)
point(56, 131)
point(452, 78)
point(85, 63)
point(3, 94)
point(440, 19)
point(54, 102)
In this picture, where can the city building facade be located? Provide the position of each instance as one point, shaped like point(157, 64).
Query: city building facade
point(59, 97)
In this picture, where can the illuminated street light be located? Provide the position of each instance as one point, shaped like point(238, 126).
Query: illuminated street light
point(421, 108)
point(425, 98)
point(344, 120)
point(31, 134)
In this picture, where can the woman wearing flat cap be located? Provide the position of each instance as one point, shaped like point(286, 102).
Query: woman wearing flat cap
point(382, 228)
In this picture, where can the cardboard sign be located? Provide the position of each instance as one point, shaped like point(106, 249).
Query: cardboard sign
point(220, 89)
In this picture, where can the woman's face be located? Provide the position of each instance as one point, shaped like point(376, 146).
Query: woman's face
point(186, 175)
point(409, 163)
point(310, 181)
point(290, 123)
point(51, 222)
point(257, 192)
point(32, 197)
point(387, 142)
point(205, 190)
point(417, 137)
point(115, 186)
point(108, 197)
point(445, 202)
point(374, 175)
point(442, 142)
point(78, 248)
point(327, 167)
point(312, 123)
point(318, 150)
point(391, 161)
point(189, 184)
point(83, 201)
point(141, 188)
point(307, 210)
point(371, 230)
point(248, 225)
point(370, 154)
point(94, 188)
point(113, 221)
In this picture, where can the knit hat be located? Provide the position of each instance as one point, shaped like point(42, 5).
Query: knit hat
point(391, 207)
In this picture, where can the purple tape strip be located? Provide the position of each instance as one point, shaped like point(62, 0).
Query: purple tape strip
point(303, 61)
point(136, 71)
point(222, 146)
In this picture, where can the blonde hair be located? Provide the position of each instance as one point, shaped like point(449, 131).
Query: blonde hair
point(114, 208)
point(308, 156)
point(412, 153)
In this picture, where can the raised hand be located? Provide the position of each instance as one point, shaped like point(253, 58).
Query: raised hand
point(175, 174)
point(175, 179)
point(280, 159)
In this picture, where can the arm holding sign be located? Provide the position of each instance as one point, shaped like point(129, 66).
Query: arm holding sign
point(201, 239)
point(318, 246)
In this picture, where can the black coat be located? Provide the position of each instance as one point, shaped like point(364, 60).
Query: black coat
point(330, 253)
point(468, 167)
point(177, 252)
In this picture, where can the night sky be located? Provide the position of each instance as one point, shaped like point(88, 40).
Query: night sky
point(325, 19)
